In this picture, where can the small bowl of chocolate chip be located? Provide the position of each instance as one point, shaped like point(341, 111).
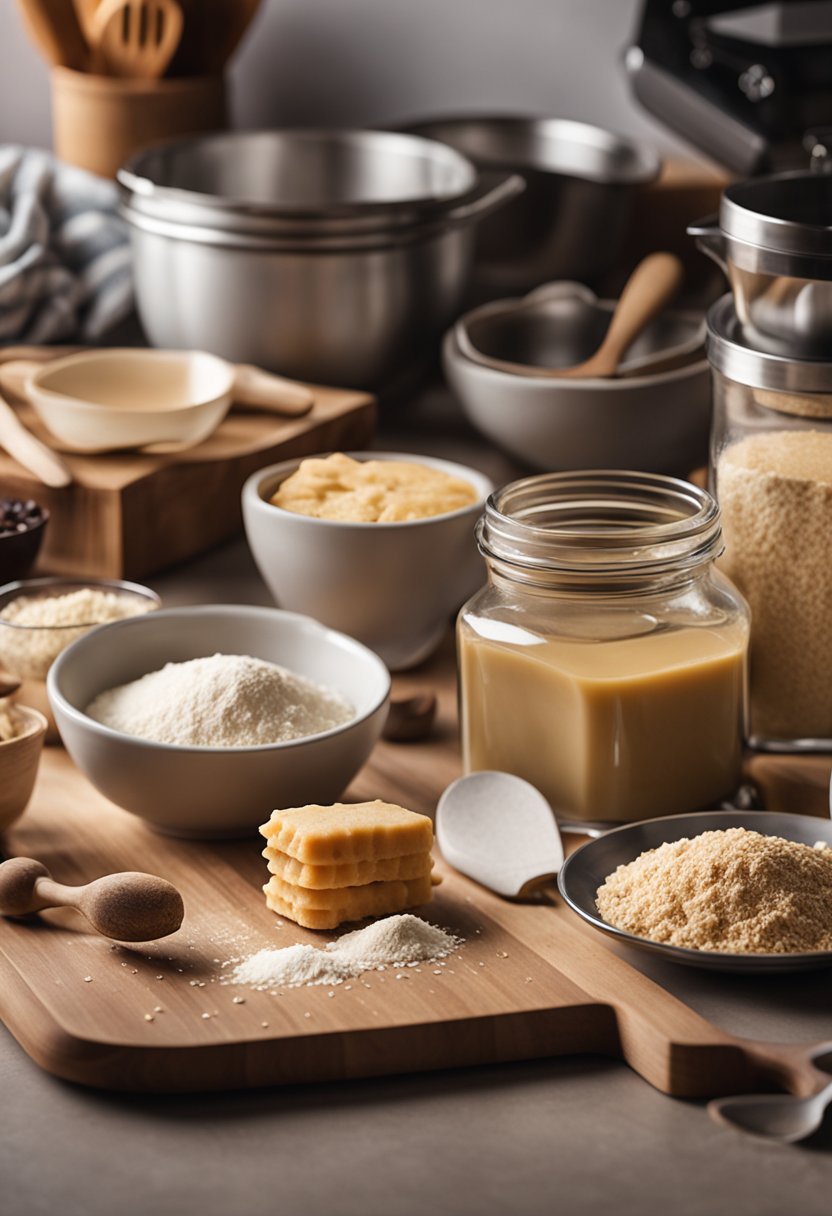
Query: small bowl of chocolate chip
point(22, 524)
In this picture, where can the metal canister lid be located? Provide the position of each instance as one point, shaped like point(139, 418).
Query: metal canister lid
point(785, 213)
point(729, 352)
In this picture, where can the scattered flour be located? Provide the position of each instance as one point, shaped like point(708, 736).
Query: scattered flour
point(227, 700)
point(396, 941)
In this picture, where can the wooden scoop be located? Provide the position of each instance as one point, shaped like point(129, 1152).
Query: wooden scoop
point(9, 683)
point(129, 907)
point(650, 287)
point(136, 38)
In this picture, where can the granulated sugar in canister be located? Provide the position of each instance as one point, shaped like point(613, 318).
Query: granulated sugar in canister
point(775, 493)
point(734, 891)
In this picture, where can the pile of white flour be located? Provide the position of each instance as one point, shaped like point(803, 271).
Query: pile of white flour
point(396, 941)
point(227, 700)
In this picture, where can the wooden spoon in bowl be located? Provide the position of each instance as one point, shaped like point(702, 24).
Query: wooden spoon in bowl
point(650, 287)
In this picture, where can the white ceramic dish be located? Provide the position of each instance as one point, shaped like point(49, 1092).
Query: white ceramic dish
point(654, 424)
point(217, 792)
point(393, 586)
point(115, 399)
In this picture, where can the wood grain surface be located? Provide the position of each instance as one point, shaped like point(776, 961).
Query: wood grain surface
point(530, 980)
point(130, 514)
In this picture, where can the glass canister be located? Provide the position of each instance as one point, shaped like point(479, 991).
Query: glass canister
point(771, 470)
point(605, 660)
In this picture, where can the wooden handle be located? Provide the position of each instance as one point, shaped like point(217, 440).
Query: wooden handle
point(135, 38)
point(129, 907)
point(652, 284)
point(27, 450)
point(14, 376)
point(259, 390)
point(54, 28)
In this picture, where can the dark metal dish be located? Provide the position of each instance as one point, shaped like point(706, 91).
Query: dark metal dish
point(584, 872)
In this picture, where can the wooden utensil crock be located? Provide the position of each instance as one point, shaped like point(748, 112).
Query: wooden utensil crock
point(99, 122)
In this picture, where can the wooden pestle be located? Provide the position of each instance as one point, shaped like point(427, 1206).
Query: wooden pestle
point(130, 907)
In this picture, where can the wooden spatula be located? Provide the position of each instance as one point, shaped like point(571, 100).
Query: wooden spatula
point(85, 11)
point(136, 38)
point(27, 450)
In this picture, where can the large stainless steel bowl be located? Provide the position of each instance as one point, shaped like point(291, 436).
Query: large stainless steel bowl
point(572, 220)
point(298, 182)
point(353, 309)
point(773, 239)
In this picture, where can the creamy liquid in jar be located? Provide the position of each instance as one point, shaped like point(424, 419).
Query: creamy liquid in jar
point(615, 730)
point(605, 661)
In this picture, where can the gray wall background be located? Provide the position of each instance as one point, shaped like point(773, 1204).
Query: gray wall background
point(368, 62)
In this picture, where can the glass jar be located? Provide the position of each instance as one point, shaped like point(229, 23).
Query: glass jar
point(605, 661)
point(771, 470)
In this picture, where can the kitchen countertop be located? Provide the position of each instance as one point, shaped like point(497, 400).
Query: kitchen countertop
point(575, 1136)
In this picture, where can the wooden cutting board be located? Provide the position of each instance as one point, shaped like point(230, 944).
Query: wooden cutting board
point(129, 515)
point(530, 981)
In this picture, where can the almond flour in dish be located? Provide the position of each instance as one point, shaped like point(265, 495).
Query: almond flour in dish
point(733, 891)
point(226, 700)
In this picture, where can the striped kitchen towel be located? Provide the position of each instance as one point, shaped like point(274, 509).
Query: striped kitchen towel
point(65, 268)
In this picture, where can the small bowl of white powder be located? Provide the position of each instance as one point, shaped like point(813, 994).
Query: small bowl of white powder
point(203, 720)
point(40, 617)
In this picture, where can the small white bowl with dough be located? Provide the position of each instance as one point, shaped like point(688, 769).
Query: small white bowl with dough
point(217, 791)
point(392, 585)
point(118, 399)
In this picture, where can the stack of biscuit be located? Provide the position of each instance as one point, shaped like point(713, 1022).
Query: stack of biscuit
point(331, 864)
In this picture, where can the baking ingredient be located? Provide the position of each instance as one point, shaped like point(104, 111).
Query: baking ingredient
point(371, 491)
point(329, 909)
point(224, 700)
point(397, 941)
point(44, 625)
point(19, 515)
point(348, 832)
point(11, 723)
point(347, 874)
point(619, 729)
point(775, 492)
point(734, 891)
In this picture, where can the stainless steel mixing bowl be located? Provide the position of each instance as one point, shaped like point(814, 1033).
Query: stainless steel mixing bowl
point(773, 239)
point(298, 182)
point(354, 309)
point(572, 220)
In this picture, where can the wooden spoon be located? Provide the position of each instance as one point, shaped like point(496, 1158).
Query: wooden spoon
point(128, 907)
point(136, 38)
point(54, 28)
point(27, 450)
point(259, 390)
point(85, 11)
point(649, 288)
point(9, 684)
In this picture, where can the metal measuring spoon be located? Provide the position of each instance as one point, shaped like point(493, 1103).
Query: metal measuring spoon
point(500, 831)
point(780, 1117)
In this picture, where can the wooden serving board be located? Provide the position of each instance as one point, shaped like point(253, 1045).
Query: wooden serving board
point(128, 515)
point(530, 981)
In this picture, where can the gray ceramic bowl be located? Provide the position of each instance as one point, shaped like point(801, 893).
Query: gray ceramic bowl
point(202, 791)
point(656, 424)
point(393, 586)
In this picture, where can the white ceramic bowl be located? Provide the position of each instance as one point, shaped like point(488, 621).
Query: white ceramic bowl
point(656, 424)
point(108, 400)
point(394, 586)
point(215, 792)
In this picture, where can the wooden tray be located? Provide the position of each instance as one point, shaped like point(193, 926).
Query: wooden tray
point(130, 515)
point(530, 981)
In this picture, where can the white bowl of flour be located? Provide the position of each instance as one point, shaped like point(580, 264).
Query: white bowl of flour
point(176, 717)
